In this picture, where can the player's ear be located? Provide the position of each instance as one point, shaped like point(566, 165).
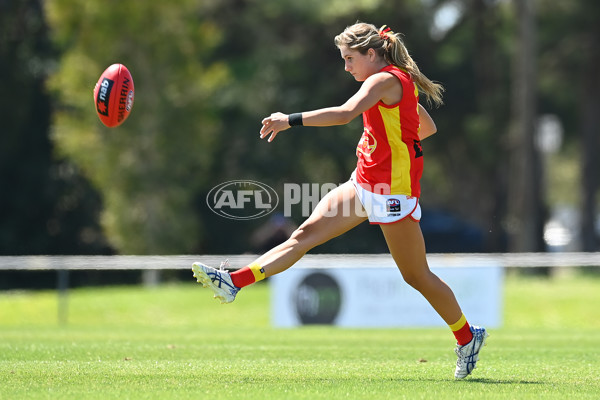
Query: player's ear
point(372, 54)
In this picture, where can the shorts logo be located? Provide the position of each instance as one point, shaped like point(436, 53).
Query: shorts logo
point(393, 205)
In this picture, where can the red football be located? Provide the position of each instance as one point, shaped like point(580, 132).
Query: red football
point(113, 95)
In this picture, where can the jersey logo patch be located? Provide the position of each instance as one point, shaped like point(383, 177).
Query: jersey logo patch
point(367, 143)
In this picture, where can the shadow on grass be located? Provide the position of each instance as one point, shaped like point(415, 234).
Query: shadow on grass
point(500, 381)
point(469, 381)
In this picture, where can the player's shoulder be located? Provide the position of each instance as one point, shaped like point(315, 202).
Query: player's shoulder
point(381, 78)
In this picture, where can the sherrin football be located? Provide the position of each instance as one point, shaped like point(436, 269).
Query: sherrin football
point(114, 95)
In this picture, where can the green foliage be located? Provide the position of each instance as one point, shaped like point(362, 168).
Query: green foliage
point(46, 206)
point(206, 73)
point(149, 168)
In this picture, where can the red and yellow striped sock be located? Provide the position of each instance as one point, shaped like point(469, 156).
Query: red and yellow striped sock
point(462, 331)
point(248, 275)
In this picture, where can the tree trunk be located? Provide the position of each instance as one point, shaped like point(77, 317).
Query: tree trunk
point(525, 209)
point(590, 144)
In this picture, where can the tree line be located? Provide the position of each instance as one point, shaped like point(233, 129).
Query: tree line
point(206, 73)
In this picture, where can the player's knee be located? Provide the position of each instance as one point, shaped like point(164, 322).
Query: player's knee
point(411, 280)
point(417, 280)
point(305, 237)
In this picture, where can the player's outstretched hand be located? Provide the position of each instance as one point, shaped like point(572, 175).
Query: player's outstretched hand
point(274, 124)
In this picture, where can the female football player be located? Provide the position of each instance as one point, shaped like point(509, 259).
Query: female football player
point(385, 183)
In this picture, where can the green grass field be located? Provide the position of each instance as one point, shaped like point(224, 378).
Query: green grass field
point(176, 342)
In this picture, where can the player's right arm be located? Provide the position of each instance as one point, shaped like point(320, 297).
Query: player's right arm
point(374, 88)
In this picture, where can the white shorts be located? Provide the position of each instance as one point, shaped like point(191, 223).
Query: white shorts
point(387, 209)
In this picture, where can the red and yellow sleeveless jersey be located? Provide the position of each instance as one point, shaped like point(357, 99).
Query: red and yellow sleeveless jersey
point(390, 158)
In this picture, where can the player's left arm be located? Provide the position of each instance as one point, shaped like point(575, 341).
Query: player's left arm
point(427, 126)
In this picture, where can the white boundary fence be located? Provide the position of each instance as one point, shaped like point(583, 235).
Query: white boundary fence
point(507, 260)
point(476, 278)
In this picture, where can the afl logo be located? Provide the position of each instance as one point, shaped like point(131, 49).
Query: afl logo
point(367, 143)
point(393, 205)
point(242, 200)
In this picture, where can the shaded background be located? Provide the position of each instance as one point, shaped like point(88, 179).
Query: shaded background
point(513, 167)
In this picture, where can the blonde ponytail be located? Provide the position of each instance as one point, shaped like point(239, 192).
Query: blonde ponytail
point(362, 37)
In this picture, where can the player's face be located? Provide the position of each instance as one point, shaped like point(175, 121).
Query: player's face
point(360, 66)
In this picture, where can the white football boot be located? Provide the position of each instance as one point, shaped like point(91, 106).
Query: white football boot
point(218, 280)
point(468, 354)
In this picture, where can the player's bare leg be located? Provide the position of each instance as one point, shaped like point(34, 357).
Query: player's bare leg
point(406, 244)
point(337, 212)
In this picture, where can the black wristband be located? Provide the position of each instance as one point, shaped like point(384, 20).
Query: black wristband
point(295, 119)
